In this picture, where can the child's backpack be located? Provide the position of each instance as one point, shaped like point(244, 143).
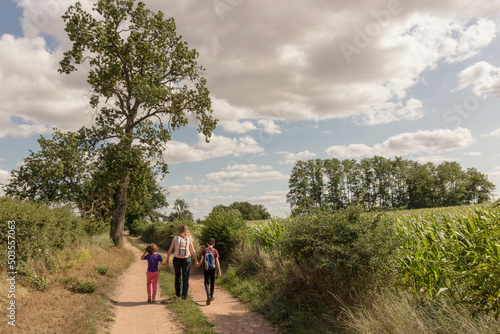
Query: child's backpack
point(209, 259)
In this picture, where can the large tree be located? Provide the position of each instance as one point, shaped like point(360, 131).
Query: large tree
point(144, 82)
point(66, 171)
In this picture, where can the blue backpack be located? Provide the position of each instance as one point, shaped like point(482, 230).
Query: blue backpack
point(209, 259)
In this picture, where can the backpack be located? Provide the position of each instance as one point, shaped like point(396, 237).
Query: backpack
point(181, 247)
point(209, 259)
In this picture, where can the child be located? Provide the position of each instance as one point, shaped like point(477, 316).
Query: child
point(210, 258)
point(152, 273)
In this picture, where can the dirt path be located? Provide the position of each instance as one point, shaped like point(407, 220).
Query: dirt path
point(133, 314)
point(226, 313)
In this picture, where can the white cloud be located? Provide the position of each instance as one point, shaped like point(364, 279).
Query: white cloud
point(494, 133)
point(279, 68)
point(291, 158)
point(35, 97)
point(391, 111)
point(483, 77)
point(263, 66)
point(429, 142)
point(210, 189)
point(473, 154)
point(269, 126)
point(247, 168)
point(434, 158)
point(245, 176)
point(494, 175)
point(4, 179)
point(349, 151)
point(219, 146)
point(237, 127)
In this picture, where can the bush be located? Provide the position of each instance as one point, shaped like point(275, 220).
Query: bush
point(102, 270)
point(80, 285)
point(346, 252)
point(136, 225)
point(226, 227)
point(38, 228)
point(161, 233)
point(38, 282)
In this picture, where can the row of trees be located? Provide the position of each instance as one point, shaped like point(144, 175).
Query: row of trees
point(379, 182)
point(247, 211)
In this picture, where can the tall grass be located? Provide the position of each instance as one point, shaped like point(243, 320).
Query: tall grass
point(392, 311)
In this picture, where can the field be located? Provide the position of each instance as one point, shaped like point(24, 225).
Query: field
point(442, 274)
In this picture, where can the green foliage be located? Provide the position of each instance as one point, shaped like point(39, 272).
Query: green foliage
point(343, 252)
point(162, 233)
point(226, 226)
point(38, 228)
point(270, 233)
point(454, 254)
point(78, 285)
point(38, 282)
point(181, 211)
point(136, 225)
point(378, 182)
point(152, 76)
point(250, 211)
point(102, 270)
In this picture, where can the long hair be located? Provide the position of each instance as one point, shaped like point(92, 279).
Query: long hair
point(183, 231)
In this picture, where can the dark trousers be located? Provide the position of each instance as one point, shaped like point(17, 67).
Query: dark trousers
point(181, 265)
point(209, 282)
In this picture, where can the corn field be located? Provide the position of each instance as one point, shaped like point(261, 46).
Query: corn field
point(453, 252)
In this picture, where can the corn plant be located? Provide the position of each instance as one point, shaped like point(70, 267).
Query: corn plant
point(269, 233)
point(457, 254)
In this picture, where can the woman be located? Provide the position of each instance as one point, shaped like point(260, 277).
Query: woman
point(182, 246)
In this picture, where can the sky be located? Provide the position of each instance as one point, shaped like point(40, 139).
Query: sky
point(289, 80)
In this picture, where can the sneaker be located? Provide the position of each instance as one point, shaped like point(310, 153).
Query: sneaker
point(153, 301)
point(149, 299)
point(208, 301)
point(212, 298)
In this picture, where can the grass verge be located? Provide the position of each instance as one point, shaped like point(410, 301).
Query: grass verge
point(45, 302)
point(291, 313)
point(186, 311)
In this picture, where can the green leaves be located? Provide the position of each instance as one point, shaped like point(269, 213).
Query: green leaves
point(144, 82)
point(454, 254)
point(378, 182)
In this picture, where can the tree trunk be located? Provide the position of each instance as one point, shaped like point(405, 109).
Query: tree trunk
point(119, 211)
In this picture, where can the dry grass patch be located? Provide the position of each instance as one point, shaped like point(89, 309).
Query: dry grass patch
point(56, 309)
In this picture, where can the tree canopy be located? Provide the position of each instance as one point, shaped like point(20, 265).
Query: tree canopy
point(66, 171)
point(246, 210)
point(145, 82)
point(378, 182)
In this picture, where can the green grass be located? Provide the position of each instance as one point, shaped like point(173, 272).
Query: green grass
point(186, 311)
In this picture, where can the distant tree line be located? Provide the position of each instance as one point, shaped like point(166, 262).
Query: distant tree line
point(379, 182)
point(246, 210)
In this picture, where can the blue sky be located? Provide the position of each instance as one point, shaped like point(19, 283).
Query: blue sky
point(288, 80)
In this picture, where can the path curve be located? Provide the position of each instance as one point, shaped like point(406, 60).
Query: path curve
point(133, 314)
point(227, 313)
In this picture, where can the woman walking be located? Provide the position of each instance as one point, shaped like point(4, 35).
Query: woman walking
point(182, 246)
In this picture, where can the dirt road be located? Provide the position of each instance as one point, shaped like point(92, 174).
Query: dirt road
point(134, 314)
